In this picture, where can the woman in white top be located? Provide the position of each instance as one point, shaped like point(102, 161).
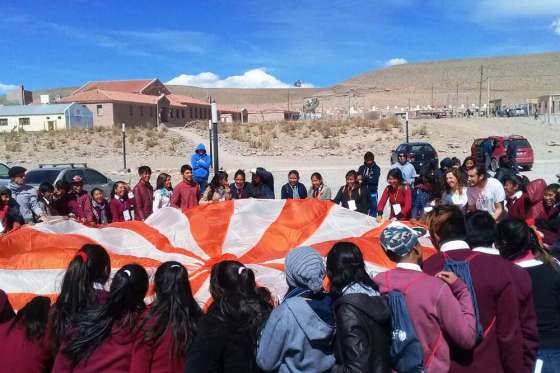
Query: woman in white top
point(455, 191)
point(162, 194)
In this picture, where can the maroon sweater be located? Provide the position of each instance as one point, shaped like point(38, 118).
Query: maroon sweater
point(501, 350)
point(20, 354)
point(185, 195)
point(144, 198)
point(157, 358)
point(118, 207)
point(518, 207)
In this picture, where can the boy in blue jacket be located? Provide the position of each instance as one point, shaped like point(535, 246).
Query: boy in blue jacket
point(201, 163)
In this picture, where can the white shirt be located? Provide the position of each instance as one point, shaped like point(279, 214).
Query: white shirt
point(487, 250)
point(411, 266)
point(485, 198)
point(459, 200)
point(454, 245)
point(529, 263)
point(162, 198)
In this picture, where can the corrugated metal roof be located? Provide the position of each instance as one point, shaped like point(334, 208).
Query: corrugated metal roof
point(18, 110)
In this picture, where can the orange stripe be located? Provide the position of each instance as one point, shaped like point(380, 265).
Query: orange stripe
point(297, 221)
point(209, 225)
point(153, 236)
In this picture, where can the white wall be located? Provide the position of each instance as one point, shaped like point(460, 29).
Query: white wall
point(36, 122)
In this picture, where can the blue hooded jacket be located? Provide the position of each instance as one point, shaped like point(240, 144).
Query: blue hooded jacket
point(201, 163)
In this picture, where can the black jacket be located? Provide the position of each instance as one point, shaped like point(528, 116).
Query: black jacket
point(359, 194)
point(246, 192)
point(219, 347)
point(362, 337)
point(370, 176)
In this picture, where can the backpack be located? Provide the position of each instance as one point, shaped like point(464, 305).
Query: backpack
point(462, 269)
point(406, 353)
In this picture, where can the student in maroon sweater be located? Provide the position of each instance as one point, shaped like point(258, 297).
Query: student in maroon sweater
point(103, 337)
point(6, 310)
point(517, 201)
point(120, 205)
point(187, 193)
point(169, 324)
point(143, 194)
point(82, 287)
point(501, 349)
point(80, 203)
point(25, 347)
point(517, 243)
point(481, 236)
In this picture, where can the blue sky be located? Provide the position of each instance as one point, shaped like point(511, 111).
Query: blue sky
point(256, 42)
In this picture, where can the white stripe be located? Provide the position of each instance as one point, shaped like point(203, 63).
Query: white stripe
point(203, 293)
point(174, 225)
point(250, 220)
point(119, 241)
point(341, 223)
point(36, 281)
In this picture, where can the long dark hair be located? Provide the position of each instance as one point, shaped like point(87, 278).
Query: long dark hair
point(90, 265)
point(114, 190)
point(124, 306)
point(215, 183)
point(160, 182)
point(174, 308)
point(345, 266)
point(34, 317)
point(395, 173)
point(242, 305)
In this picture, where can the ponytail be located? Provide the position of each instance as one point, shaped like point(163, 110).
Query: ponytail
point(34, 317)
point(124, 305)
point(90, 265)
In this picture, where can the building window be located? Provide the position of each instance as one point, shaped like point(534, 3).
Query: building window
point(190, 113)
point(171, 113)
point(3, 122)
point(131, 110)
point(59, 117)
point(177, 113)
point(99, 109)
point(183, 113)
point(141, 111)
point(48, 117)
point(24, 121)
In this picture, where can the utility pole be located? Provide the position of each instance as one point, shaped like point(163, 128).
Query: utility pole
point(457, 95)
point(288, 98)
point(488, 98)
point(406, 124)
point(432, 96)
point(480, 89)
point(349, 93)
point(124, 145)
point(215, 134)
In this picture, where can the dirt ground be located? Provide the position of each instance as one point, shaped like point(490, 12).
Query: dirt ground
point(331, 148)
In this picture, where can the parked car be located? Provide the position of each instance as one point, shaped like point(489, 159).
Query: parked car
point(66, 171)
point(524, 157)
point(422, 155)
point(4, 178)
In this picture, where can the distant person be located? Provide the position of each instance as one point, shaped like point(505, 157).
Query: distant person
point(25, 347)
point(318, 189)
point(24, 195)
point(101, 211)
point(80, 203)
point(187, 193)
point(407, 169)
point(240, 188)
point(456, 162)
point(455, 191)
point(468, 163)
point(143, 194)
point(517, 201)
point(511, 154)
point(505, 170)
point(501, 348)
point(169, 325)
point(488, 152)
point(297, 337)
point(399, 196)
point(368, 175)
point(162, 194)
point(218, 189)
point(61, 198)
point(516, 245)
point(121, 204)
point(262, 184)
point(440, 307)
point(226, 339)
point(352, 195)
point(10, 216)
point(362, 337)
point(293, 189)
point(105, 334)
point(421, 195)
point(446, 164)
point(45, 194)
point(201, 164)
point(485, 193)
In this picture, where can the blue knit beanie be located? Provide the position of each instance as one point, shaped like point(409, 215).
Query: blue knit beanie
point(399, 239)
point(305, 268)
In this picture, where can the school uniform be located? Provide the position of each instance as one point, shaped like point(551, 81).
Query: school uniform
point(144, 198)
point(20, 354)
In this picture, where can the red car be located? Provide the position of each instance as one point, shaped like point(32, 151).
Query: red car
point(524, 155)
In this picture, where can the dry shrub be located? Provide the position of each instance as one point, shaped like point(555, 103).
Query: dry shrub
point(422, 131)
point(275, 132)
point(266, 143)
point(51, 145)
point(151, 143)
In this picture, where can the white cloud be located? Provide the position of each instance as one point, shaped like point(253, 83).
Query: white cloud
point(6, 87)
point(255, 78)
point(556, 26)
point(396, 61)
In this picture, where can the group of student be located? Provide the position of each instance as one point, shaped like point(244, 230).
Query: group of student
point(487, 301)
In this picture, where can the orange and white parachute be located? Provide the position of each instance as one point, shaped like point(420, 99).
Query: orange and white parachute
point(258, 233)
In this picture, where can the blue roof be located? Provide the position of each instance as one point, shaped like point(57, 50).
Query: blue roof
point(18, 110)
